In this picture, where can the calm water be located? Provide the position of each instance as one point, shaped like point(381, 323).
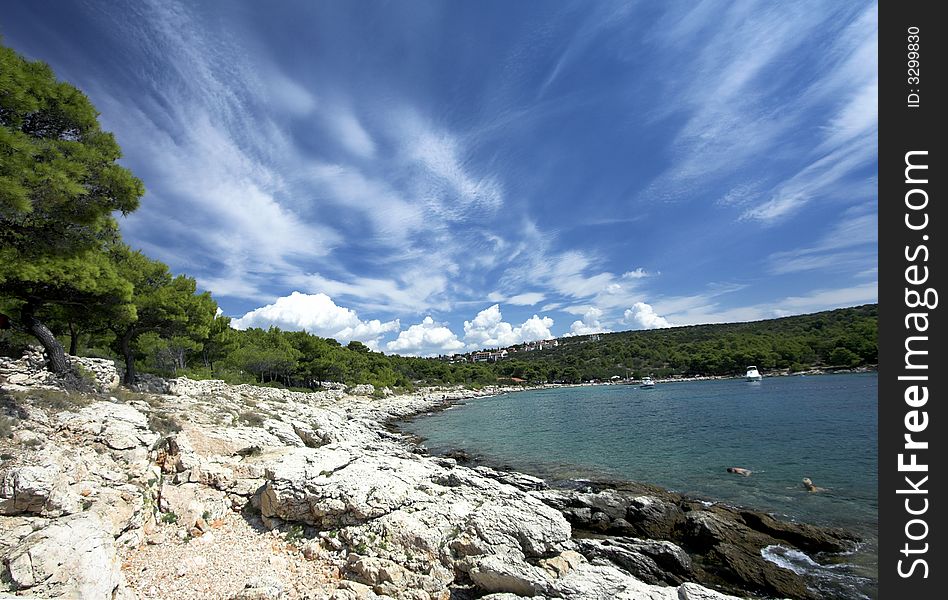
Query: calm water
point(684, 435)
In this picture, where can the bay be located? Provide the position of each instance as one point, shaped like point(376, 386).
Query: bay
point(684, 435)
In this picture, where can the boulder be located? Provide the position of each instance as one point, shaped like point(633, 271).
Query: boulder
point(530, 527)
point(332, 487)
point(190, 502)
point(520, 481)
point(42, 489)
point(363, 389)
point(73, 557)
point(652, 561)
point(118, 426)
point(508, 574)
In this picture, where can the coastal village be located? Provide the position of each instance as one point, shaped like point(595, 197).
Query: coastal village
point(503, 353)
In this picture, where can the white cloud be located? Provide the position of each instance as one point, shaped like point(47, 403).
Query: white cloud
point(391, 215)
point(288, 95)
point(589, 323)
point(526, 299)
point(446, 181)
point(489, 330)
point(319, 315)
point(349, 132)
point(823, 178)
point(644, 316)
point(638, 273)
point(704, 308)
point(535, 328)
point(414, 289)
point(427, 338)
point(836, 250)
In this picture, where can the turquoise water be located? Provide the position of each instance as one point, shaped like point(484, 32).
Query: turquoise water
point(683, 436)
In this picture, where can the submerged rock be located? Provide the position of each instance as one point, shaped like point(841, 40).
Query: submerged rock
point(724, 544)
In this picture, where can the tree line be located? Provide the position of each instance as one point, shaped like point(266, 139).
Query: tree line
point(841, 338)
point(67, 279)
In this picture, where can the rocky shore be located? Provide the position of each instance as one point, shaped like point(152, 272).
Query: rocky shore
point(199, 489)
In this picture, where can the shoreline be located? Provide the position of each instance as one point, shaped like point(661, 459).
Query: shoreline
point(356, 510)
point(596, 483)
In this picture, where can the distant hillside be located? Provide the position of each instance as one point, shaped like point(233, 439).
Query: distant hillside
point(846, 337)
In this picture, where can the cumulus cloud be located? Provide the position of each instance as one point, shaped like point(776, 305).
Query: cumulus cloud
point(638, 273)
point(489, 330)
point(317, 314)
point(427, 338)
point(644, 316)
point(589, 323)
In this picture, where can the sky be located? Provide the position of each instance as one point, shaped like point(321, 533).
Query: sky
point(437, 177)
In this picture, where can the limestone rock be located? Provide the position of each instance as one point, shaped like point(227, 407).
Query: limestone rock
point(560, 565)
point(363, 389)
point(73, 557)
point(38, 489)
point(261, 588)
point(652, 561)
point(531, 527)
point(118, 426)
point(518, 480)
point(191, 501)
point(499, 574)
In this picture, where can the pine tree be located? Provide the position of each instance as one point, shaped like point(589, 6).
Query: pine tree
point(60, 183)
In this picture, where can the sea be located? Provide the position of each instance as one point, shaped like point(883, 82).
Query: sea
point(684, 435)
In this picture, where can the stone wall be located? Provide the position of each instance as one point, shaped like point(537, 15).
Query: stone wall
point(29, 371)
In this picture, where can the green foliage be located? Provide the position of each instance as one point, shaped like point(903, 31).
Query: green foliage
point(843, 337)
point(164, 305)
point(169, 518)
point(843, 357)
point(59, 179)
point(60, 183)
point(251, 418)
point(53, 400)
point(6, 425)
point(163, 423)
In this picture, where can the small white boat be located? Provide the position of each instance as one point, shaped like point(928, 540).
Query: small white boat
point(647, 382)
point(753, 374)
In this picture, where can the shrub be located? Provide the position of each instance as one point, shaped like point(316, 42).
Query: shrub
point(251, 418)
point(54, 400)
point(6, 426)
point(163, 423)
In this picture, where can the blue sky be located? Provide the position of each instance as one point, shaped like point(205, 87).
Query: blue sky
point(433, 177)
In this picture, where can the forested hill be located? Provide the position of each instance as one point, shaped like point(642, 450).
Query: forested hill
point(846, 337)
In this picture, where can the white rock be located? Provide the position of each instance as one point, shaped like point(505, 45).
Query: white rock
point(505, 574)
point(192, 501)
point(39, 489)
point(72, 557)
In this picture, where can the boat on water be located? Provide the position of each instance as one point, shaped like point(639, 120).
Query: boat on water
point(753, 374)
point(647, 382)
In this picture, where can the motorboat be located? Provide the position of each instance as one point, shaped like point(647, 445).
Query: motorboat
point(647, 382)
point(753, 374)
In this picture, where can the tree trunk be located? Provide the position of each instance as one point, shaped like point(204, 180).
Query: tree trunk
point(129, 357)
point(73, 339)
point(54, 350)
